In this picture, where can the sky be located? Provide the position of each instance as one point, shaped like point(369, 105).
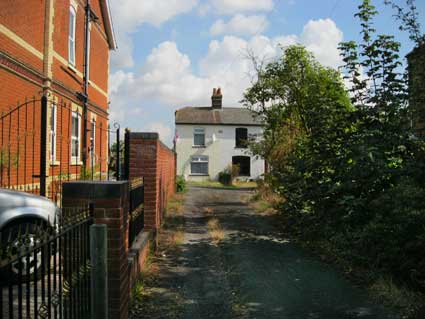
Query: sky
point(172, 53)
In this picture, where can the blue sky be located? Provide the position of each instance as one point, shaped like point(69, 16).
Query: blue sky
point(171, 53)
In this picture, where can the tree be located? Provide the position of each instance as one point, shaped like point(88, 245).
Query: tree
point(346, 162)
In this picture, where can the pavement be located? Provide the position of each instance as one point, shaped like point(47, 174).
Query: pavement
point(254, 272)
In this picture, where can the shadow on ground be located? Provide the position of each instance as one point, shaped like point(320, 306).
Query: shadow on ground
point(253, 273)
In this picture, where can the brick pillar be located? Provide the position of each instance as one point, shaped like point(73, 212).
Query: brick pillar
point(111, 208)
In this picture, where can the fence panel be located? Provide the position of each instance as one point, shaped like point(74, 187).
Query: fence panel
point(45, 273)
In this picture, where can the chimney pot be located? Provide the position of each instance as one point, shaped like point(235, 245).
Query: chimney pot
point(217, 99)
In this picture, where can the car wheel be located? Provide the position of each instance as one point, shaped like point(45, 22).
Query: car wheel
point(30, 267)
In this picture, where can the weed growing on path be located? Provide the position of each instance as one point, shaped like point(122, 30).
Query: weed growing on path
point(215, 231)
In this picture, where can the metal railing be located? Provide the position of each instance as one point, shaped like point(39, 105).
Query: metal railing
point(136, 215)
point(41, 146)
point(46, 271)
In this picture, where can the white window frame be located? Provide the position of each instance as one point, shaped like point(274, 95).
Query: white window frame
point(198, 131)
point(199, 159)
point(92, 140)
point(53, 132)
point(71, 35)
point(76, 159)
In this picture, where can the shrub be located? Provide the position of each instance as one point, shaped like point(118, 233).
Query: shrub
point(225, 177)
point(180, 184)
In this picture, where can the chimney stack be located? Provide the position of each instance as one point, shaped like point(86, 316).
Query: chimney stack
point(217, 99)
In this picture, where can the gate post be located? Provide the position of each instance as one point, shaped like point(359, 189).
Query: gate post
point(43, 146)
point(111, 205)
point(99, 271)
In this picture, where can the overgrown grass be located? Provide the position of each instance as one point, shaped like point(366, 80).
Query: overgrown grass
point(215, 231)
point(172, 233)
point(139, 292)
point(215, 184)
point(265, 201)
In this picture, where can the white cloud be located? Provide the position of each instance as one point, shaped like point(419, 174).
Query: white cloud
point(161, 128)
point(129, 15)
point(240, 25)
point(322, 38)
point(235, 6)
point(167, 79)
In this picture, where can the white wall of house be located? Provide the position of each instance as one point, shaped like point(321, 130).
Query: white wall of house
point(220, 147)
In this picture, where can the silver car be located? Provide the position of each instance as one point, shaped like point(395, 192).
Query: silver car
point(23, 213)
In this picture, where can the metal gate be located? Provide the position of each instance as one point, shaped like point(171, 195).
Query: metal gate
point(46, 272)
point(41, 146)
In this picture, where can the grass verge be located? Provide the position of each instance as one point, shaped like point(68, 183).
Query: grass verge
point(215, 184)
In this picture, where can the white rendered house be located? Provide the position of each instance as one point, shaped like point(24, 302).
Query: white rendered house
point(210, 139)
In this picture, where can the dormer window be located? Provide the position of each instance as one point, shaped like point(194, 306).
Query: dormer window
point(199, 137)
point(71, 35)
point(241, 137)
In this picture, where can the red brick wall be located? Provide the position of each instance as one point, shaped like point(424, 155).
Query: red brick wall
point(111, 204)
point(28, 23)
point(155, 162)
point(21, 77)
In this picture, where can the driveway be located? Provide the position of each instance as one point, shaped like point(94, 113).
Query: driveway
point(253, 272)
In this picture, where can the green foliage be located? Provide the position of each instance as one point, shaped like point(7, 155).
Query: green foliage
point(8, 158)
point(228, 175)
point(349, 169)
point(409, 20)
point(225, 177)
point(180, 184)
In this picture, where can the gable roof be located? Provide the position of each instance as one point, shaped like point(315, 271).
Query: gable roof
point(107, 21)
point(214, 116)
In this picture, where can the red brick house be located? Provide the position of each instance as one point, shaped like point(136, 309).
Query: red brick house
point(43, 47)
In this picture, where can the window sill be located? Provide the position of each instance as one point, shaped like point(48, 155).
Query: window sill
point(198, 146)
point(75, 162)
point(72, 68)
point(241, 147)
point(199, 174)
point(55, 163)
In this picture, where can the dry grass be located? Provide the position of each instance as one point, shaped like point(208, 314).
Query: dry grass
point(177, 237)
point(216, 184)
point(172, 234)
point(213, 223)
point(215, 231)
point(265, 201)
point(263, 208)
point(208, 211)
point(175, 205)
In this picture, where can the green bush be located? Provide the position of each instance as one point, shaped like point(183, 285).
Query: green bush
point(180, 184)
point(225, 177)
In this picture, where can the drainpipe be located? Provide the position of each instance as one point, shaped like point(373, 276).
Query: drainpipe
point(86, 79)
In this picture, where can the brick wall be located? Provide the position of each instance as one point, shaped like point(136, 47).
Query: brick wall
point(111, 204)
point(155, 162)
point(25, 64)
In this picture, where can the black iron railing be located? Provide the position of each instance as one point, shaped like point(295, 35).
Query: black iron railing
point(41, 146)
point(46, 270)
point(136, 219)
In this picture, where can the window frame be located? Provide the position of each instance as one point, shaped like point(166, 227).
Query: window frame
point(201, 159)
point(76, 158)
point(238, 139)
point(195, 133)
point(53, 132)
point(71, 36)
